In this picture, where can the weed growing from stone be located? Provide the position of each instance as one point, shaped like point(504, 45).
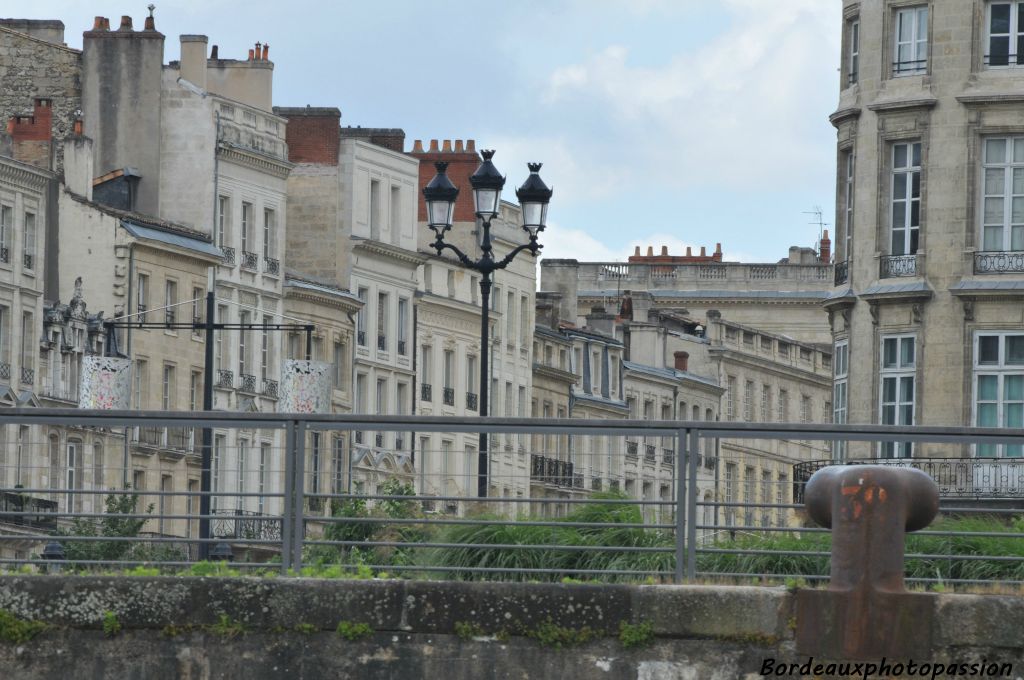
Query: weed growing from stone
point(111, 624)
point(550, 634)
point(16, 630)
point(226, 627)
point(636, 635)
point(354, 631)
point(306, 628)
point(467, 630)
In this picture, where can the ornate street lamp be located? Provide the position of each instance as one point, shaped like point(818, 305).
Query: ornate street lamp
point(440, 196)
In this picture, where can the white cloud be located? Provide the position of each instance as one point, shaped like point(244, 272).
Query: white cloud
point(735, 110)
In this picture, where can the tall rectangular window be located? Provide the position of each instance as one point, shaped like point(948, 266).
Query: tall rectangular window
point(247, 226)
point(396, 213)
point(167, 395)
point(6, 231)
point(219, 444)
point(363, 295)
point(906, 198)
point(853, 69)
point(525, 329)
point(403, 326)
point(449, 369)
point(142, 296)
point(195, 389)
point(999, 387)
point(1002, 223)
point(265, 349)
point(766, 403)
point(242, 481)
point(374, 209)
point(1005, 31)
point(382, 321)
point(218, 338)
point(840, 384)
point(141, 383)
point(849, 166)
point(269, 233)
point(170, 301)
point(29, 245)
point(748, 401)
point(783, 406)
point(911, 45)
point(898, 385)
point(730, 398)
point(244, 365)
point(223, 219)
point(510, 317)
point(339, 366)
point(262, 477)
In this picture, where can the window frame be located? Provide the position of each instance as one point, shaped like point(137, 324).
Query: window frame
point(1009, 167)
point(853, 53)
point(1001, 370)
point(1016, 18)
point(915, 41)
point(840, 392)
point(898, 373)
point(910, 170)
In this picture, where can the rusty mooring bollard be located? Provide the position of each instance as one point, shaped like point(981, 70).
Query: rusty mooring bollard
point(866, 612)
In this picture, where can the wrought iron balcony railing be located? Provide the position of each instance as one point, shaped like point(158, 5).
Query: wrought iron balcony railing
point(227, 255)
point(382, 343)
point(471, 401)
point(271, 265)
point(402, 347)
point(5, 370)
point(378, 440)
point(246, 525)
point(225, 379)
point(247, 383)
point(449, 396)
point(141, 315)
point(426, 392)
point(28, 260)
point(250, 260)
point(169, 316)
point(909, 67)
point(650, 454)
point(842, 272)
point(631, 449)
point(5, 254)
point(956, 477)
point(668, 456)
point(552, 471)
point(361, 338)
point(894, 266)
point(269, 388)
point(999, 262)
point(27, 510)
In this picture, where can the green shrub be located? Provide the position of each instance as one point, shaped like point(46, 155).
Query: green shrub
point(111, 624)
point(636, 635)
point(16, 630)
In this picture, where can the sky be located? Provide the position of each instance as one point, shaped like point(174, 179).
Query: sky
point(659, 122)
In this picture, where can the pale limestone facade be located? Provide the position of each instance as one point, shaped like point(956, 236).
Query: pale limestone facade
point(932, 274)
point(553, 383)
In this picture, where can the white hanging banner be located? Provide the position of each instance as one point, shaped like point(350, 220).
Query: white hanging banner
point(106, 383)
point(305, 387)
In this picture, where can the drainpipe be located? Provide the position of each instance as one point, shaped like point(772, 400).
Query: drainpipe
point(128, 350)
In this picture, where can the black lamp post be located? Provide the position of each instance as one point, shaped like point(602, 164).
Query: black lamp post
point(487, 182)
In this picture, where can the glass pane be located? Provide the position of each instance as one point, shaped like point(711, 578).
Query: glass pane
point(887, 449)
point(999, 51)
point(993, 211)
point(1015, 350)
point(915, 214)
point(994, 181)
point(988, 387)
point(993, 238)
point(889, 352)
point(1017, 237)
point(1014, 451)
point(916, 146)
point(906, 414)
point(1000, 18)
point(907, 389)
point(988, 350)
point(913, 241)
point(1018, 173)
point(1020, 44)
point(915, 187)
point(987, 415)
point(899, 157)
point(907, 353)
point(899, 186)
point(922, 23)
point(1017, 210)
point(906, 26)
point(1018, 143)
point(1013, 388)
point(899, 220)
point(986, 450)
point(889, 390)
point(995, 150)
point(1013, 415)
point(888, 415)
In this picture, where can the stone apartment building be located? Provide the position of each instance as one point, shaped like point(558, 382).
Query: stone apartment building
point(352, 202)
point(926, 309)
point(512, 306)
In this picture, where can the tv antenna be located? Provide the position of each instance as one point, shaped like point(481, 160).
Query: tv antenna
point(817, 221)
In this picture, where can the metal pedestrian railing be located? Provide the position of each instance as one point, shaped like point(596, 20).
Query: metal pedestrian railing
point(568, 498)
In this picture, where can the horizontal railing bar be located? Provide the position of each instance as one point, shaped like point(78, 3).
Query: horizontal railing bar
point(496, 546)
point(135, 539)
point(820, 553)
point(137, 563)
point(137, 515)
point(488, 522)
point(515, 570)
point(492, 499)
point(141, 492)
point(757, 529)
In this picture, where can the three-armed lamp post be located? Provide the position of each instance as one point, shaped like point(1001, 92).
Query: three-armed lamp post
point(487, 182)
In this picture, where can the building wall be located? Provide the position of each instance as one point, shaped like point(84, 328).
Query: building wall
point(955, 290)
point(187, 156)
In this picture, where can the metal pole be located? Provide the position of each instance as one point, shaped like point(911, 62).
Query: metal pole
point(485, 312)
point(681, 458)
point(691, 525)
point(289, 498)
point(298, 495)
point(206, 473)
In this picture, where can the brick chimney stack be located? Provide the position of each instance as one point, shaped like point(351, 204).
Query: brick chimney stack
point(31, 135)
point(825, 249)
point(462, 160)
point(682, 360)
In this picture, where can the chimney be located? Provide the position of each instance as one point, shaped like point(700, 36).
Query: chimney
point(470, 146)
point(636, 252)
point(417, 146)
point(193, 59)
point(258, 51)
point(458, 146)
point(664, 251)
point(433, 146)
point(446, 146)
point(250, 54)
point(266, 51)
point(689, 251)
point(78, 165)
point(97, 24)
point(126, 23)
point(31, 135)
point(682, 360)
point(825, 248)
point(650, 251)
point(703, 251)
point(214, 53)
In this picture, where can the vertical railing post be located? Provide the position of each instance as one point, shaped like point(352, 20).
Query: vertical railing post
point(288, 511)
point(298, 529)
point(681, 458)
point(691, 524)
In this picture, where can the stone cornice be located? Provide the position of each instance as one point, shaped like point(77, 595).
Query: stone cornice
point(896, 297)
point(324, 299)
point(259, 162)
point(26, 176)
point(555, 373)
point(780, 370)
point(903, 104)
point(842, 115)
point(1001, 98)
point(388, 250)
